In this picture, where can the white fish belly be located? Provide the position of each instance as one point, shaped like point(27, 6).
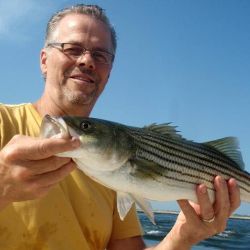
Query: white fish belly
point(160, 190)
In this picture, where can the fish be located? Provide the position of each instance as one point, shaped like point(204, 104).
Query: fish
point(150, 163)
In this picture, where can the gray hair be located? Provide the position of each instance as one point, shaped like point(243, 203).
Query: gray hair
point(91, 10)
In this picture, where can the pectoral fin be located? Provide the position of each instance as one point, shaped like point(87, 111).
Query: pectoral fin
point(125, 202)
point(145, 206)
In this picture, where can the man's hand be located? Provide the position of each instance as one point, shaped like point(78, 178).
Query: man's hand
point(28, 167)
point(198, 222)
point(190, 227)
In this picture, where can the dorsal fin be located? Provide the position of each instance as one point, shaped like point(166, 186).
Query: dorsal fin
point(230, 147)
point(164, 129)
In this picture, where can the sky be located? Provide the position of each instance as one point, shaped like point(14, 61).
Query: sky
point(185, 62)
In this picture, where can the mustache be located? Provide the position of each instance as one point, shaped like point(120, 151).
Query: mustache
point(85, 71)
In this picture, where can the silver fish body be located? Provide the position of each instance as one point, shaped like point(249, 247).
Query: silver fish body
point(153, 162)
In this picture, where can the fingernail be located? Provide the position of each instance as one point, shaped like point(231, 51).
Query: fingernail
point(233, 182)
point(75, 142)
point(203, 189)
point(222, 181)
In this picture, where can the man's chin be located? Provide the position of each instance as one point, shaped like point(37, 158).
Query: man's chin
point(82, 100)
point(78, 97)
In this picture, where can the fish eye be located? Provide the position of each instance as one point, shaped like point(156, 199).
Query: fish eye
point(85, 125)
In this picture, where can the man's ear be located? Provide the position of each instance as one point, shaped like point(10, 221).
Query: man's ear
point(43, 62)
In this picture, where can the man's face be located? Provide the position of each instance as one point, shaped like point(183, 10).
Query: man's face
point(80, 81)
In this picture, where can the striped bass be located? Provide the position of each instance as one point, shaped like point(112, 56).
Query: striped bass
point(149, 163)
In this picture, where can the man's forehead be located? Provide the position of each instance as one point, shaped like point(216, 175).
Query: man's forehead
point(81, 23)
point(83, 29)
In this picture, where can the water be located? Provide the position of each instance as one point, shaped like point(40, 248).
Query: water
point(236, 236)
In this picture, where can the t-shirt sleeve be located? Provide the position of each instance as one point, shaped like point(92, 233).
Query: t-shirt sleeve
point(1, 128)
point(1, 131)
point(127, 228)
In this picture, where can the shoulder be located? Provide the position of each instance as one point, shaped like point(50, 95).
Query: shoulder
point(18, 119)
point(11, 111)
point(18, 111)
point(13, 107)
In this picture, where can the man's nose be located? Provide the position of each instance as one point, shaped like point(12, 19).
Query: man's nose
point(86, 60)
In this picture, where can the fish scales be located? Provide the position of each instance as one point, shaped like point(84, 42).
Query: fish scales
point(189, 148)
point(188, 156)
point(189, 169)
point(185, 168)
point(193, 149)
point(174, 171)
point(170, 165)
point(196, 160)
point(212, 165)
point(168, 150)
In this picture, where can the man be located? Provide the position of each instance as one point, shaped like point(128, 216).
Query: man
point(46, 203)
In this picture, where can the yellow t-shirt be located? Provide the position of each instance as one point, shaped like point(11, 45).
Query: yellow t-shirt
point(77, 214)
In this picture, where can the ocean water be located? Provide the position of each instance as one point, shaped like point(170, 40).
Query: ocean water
point(236, 236)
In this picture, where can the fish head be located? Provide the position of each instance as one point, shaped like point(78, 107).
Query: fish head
point(103, 145)
point(54, 127)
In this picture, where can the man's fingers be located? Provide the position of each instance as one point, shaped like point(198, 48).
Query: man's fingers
point(187, 210)
point(30, 167)
point(37, 148)
point(50, 164)
point(48, 147)
point(222, 198)
point(206, 207)
point(53, 177)
point(40, 185)
point(184, 205)
point(234, 195)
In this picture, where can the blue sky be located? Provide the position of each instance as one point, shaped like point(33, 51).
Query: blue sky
point(185, 62)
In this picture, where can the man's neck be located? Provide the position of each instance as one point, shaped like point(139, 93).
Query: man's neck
point(43, 107)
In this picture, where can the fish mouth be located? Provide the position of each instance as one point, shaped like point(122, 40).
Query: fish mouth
point(54, 127)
